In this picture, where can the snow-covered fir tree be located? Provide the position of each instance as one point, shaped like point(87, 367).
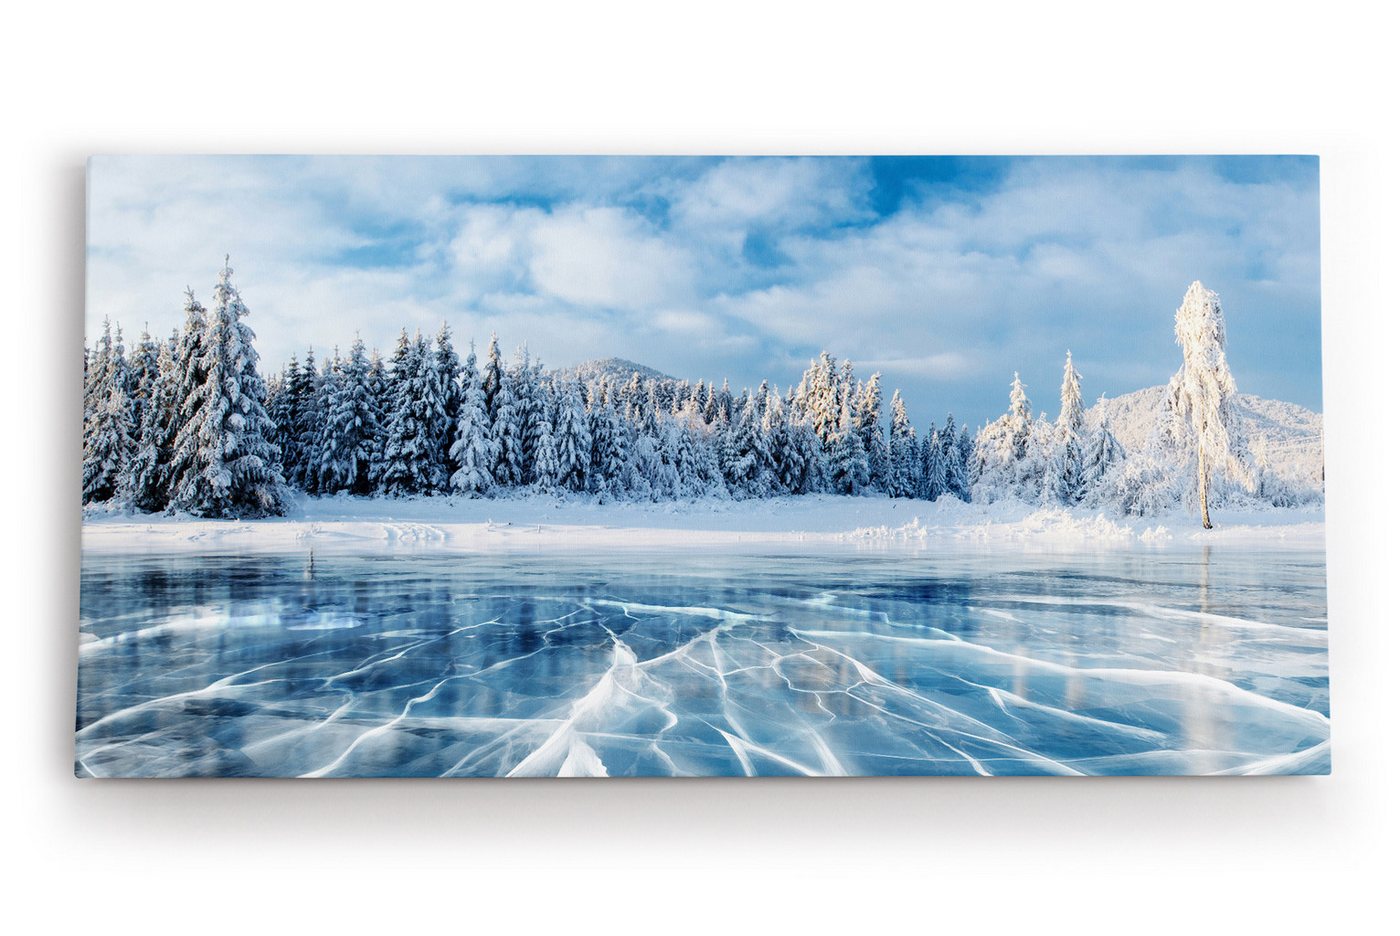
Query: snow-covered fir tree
point(446, 370)
point(1036, 482)
point(956, 451)
point(547, 467)
point(541, 468)
point(409, 459)
point(352, 427)
point(1065, 479)
point(492, 371)
point(473, 449)
point(850, 472)
point(189, 359)
point(148, 478)
point(142, 373)
point(508, 430)
point(747, 461)
point(1006, 462)
point(327, 386)
point(298, 419)
point(108, 442)
point(905, 465)
point(572, 438)
point(935, 464)
point(229, 465)
point(1102, 453)
point(531, 400)
point(870, 400)
point(610, 453)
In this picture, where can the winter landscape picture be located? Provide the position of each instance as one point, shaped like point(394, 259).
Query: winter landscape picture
point(700, 466)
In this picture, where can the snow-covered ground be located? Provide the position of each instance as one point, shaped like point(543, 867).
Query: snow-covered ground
point(472, 524)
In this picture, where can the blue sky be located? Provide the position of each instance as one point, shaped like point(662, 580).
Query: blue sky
point(946, 274)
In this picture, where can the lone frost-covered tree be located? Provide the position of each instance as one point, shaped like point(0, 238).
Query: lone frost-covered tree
point(1201, 396)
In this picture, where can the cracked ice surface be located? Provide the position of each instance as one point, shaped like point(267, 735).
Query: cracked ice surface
point(690, 662)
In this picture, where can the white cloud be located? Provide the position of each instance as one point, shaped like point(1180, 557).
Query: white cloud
point(607, 257)
point(786, 194)
point(645, 259)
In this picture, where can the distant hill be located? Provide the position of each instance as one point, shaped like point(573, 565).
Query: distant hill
point(618, 370)
point(1288, 435)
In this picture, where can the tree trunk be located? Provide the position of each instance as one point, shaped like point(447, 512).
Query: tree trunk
point(1203, 478)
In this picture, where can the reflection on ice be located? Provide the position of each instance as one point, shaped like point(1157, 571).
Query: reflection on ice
point(690, 663)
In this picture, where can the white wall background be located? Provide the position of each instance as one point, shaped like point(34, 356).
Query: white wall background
point(706, 856)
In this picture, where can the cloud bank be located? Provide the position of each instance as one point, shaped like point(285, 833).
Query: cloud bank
point(944, 274)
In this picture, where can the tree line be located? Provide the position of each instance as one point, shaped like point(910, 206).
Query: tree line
point(189, 425)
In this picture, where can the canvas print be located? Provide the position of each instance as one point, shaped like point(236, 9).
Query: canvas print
point(720, 467)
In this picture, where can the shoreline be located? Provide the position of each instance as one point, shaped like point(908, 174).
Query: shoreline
point(475, 525)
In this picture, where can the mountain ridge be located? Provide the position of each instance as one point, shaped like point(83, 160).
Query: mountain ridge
point(1286, 436)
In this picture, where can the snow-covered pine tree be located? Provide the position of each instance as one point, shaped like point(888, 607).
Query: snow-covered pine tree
point(380, 389)
point(473, 450)
point(1065, 465)
point(850, 473)
point(492, 371)
point(935, 464)
point(541, 469)
point(1101, 454)
point(707, 467)
point(679, 445)
point(507, 430)
point(230, 466)
point(352, 427)
point(189, 377)
point(819, 402)
point(141, 377)
point(809, 467)
point(964, 465)
point(1202, 396)
point(783, 468)
point(870, 400)
point(657, 405)
point(955, 451)
point(905, 465)
point(846, 386)
point(279, 410)
point(304, 413)
point(547, 466)
point(572, 438)
point(596, 395)
point(632, 394)
point(666, 485)
point(531, 398)
point(148, 478)
point(643, 470)
point(409, 453)
point(446, 368)
point(618, 454)
point(746, 458)
point(711, 407)
point(724, 402)
point(320, 451)
point(1035, 480)
point(1020, 419)
point(1007, 466)
point(107, 431)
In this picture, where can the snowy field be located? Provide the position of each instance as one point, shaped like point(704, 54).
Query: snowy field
point(480, 524)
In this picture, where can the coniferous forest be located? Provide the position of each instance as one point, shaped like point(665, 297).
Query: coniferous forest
point(189, 424)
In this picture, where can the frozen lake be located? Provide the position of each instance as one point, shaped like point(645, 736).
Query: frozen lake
point(821, 660)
